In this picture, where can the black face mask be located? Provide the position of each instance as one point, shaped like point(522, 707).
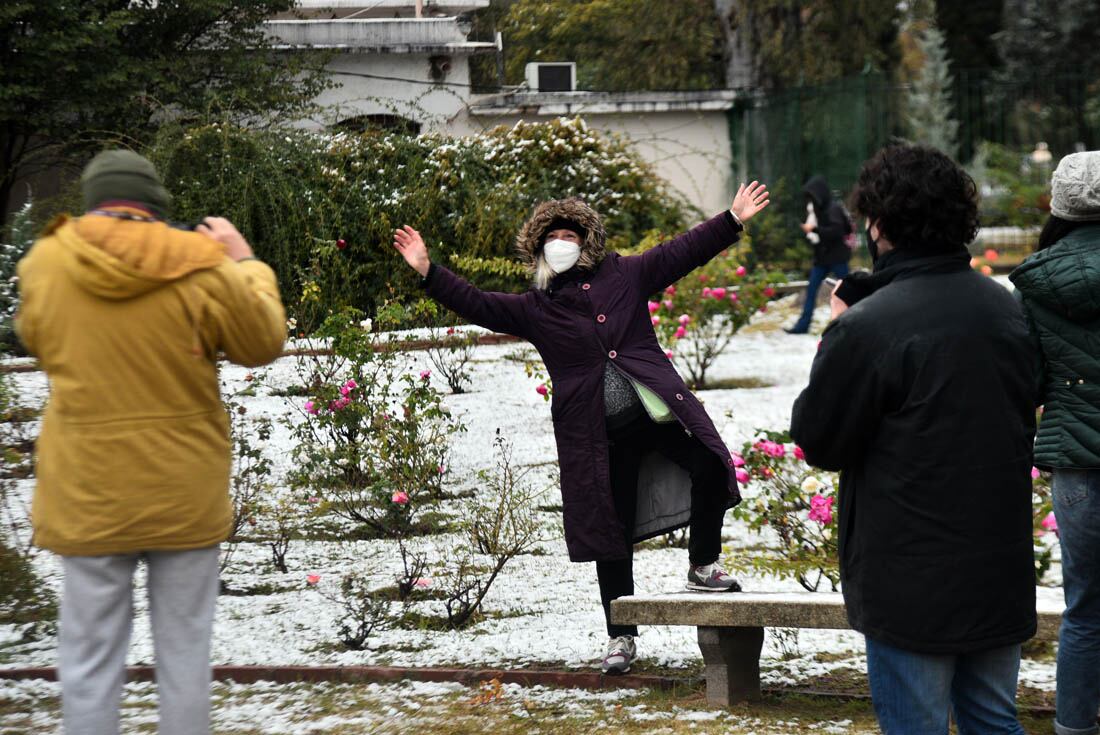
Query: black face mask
point(872, 246)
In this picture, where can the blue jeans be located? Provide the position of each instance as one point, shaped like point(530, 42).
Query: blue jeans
point(817, 277)
point(1077, 508)
point(913, 692)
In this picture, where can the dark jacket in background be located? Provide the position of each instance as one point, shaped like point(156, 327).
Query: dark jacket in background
point(922, 396)
point(1061, 292)
point(577, 329)
point(832, 224)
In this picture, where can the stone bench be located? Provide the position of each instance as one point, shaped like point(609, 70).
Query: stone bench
point(731, 628)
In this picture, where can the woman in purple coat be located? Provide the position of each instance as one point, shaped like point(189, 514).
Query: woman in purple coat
point(638, 455)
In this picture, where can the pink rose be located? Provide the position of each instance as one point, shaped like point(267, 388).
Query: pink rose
point(542, 389)
point(668, 354)
point(344, 390)
point(738, 460)
point(1034, 473)
point(425, 374)
point(741, 270)
point(718, 293)
point(684, 320)
point(312, 579)
point(671, 290)
point(655, 320)
point(313, 500)
point(400, 497)
point(680, 332)
point(422, 582)
point(742, 477)
point(769, 291)
point(766, 472)
point(450, 331)
point(703, 278)
point(311, 408)
point(653, 306)
point(351, 384)
point(821, 509)
point(734, 298)
point(1050, 523)
point(668, 304)
point(798, 453)
point(707, 292)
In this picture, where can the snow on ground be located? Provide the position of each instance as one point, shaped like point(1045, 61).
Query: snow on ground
point(543, 610)
point(401, 707)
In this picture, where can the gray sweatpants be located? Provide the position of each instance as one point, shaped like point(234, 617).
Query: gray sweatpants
point(96, 617)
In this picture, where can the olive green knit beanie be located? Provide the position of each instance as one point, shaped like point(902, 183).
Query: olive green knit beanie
point(123, 175)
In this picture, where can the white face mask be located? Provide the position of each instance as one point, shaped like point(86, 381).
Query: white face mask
point(561, 255)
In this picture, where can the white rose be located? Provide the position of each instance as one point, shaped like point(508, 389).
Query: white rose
point(811, 484)
point(366, 325)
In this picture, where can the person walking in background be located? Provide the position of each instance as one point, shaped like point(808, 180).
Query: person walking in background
point(827, 227)
point(1060, 289)
point(638, 454)
point(127, 317)
point(922, 396)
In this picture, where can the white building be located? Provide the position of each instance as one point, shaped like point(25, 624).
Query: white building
point(411, 70)
point(683, 135)
point(393, 67)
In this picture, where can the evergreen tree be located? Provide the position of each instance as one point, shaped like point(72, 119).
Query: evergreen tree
point(797, 42)
point(73, 74)
point(928, 104)
point(619, 45)
point(1042, 37)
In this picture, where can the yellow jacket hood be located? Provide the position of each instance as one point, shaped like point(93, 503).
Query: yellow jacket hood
point(116, 258)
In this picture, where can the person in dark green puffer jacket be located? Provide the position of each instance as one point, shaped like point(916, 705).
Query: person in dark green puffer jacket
point(1060, 288)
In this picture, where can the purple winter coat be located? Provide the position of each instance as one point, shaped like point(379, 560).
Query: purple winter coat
point(576, 330)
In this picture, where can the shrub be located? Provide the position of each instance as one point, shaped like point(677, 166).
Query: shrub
point(322, 207)
point(500, 524)
point(18, 243)
point(450, 355)
point(800, 503)
point(1014, 191)
point(697, 318)
point(24, 597)
point(251, 481)
point(373, 440)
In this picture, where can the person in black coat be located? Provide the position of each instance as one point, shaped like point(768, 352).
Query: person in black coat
point(828, 228)
point(922, 396)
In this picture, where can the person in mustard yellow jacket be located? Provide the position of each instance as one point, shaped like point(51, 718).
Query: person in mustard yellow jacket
point(128, 315)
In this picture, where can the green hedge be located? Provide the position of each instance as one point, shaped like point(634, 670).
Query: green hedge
point(295, 195)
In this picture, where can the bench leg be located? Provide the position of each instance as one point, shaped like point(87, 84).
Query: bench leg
point(732, 659)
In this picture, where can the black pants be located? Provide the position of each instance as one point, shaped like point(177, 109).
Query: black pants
point(709, 498)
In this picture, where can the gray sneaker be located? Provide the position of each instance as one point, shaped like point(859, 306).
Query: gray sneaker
point(621, 652)
point(711, 578)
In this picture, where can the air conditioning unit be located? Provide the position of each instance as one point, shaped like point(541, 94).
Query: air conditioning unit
point(556, 76)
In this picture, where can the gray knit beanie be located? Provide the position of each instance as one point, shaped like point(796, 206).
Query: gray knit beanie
point(1075, 187)
point(126, 176)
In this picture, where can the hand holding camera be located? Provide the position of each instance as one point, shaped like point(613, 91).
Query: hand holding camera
point(222, 230)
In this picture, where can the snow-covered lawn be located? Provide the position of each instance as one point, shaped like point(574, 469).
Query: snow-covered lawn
point(543, 611)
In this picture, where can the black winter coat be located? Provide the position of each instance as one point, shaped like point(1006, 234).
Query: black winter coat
point(922, 395)
point(832, 224)
point(577, 329)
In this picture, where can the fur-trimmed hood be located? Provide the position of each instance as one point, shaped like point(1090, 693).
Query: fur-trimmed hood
point(529, 240)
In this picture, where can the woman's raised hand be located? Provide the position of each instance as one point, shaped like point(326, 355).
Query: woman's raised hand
point(411, 246)
point(749, 200)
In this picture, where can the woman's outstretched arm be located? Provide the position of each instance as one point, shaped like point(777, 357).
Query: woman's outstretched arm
point(667, 263)
point(501, 312)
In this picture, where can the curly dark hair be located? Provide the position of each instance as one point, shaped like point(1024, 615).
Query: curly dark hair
point(920, 198)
